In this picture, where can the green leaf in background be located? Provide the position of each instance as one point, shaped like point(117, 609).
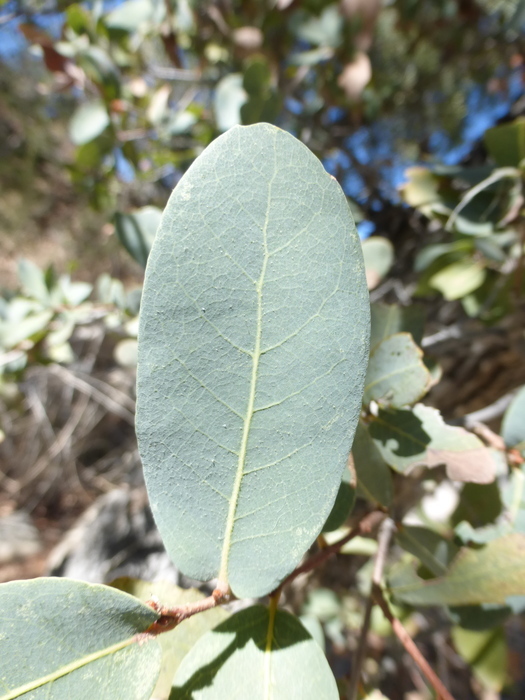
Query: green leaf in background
point(14, 332)
point(429, 256)
point(433, 550)
point(459, 279)
point(257, 76)
point(396, 374)
point(126, 352)
point(513, 426)
point(229, 98)
point(344, 503)
point(389, 319)
point(407, 438)
point(131, 15)
point(374, 478)
point(136, 231)
point(479, 505)
point(33, 281)
point(178, 642)
point(488, 575)
point(506, 143)
point(89, 121)
point(257, 655)
point(66, 639)
point(479, 617)
point(486, 653)
point(422, 189)
point(253, 346)
point(482, 517)
point(378, 253)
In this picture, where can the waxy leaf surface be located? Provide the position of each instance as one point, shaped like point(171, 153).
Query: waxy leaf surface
point(396, 373)
point(62, 639)
point(259, 655)
point(253, 347)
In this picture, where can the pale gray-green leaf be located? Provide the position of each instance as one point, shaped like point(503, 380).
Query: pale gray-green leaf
point(378, 253)
point(396, 373)
point(253, 346)
point(255, 655)
point(62, 639)
point(89, 121)
point(513, 426)
point(33, 281)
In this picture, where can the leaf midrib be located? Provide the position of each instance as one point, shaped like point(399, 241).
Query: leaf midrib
point(256, 355)
point(67, 668)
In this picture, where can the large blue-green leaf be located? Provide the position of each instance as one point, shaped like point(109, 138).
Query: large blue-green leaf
point(256, 654)
point(253, 347)
point(62, 639)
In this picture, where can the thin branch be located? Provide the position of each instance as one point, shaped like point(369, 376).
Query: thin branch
point(410, 646)
point(383, 541)
point(169, 618)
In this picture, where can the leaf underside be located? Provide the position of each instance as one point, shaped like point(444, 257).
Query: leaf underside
point(253, 348)
point(63, 639)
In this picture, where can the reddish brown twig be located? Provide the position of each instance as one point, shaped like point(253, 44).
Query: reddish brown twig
point(410, 646)
point(169, 618)
point(383, 543)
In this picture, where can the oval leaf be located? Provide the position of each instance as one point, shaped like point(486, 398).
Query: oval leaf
point(459, 279)
point(252, 354)
point(396, 373)
point(88, 122)
point(77, 638)
point(378, 253)
point(257, 655)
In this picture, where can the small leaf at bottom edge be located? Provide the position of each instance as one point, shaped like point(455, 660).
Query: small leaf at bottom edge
point(79, 638)
point(257, 655)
